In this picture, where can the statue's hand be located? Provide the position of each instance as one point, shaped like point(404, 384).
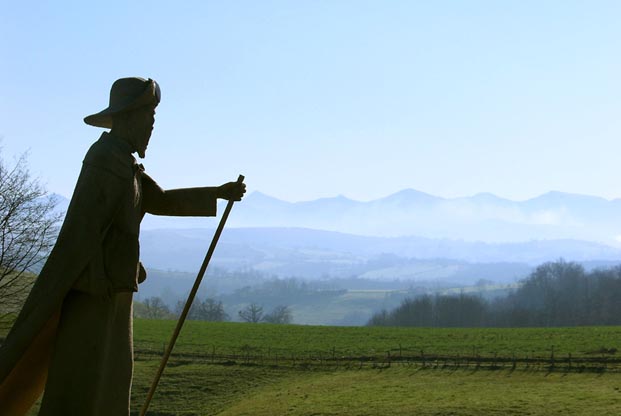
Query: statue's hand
point(232, 191)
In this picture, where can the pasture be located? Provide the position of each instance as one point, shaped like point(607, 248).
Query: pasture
point(261, 369)
point(250, 369)
point(207, 389)
point(202, 338)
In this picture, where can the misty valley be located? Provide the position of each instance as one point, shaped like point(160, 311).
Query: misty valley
point(329, 278)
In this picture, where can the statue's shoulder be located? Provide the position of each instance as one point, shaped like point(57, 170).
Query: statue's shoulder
point(109, 155)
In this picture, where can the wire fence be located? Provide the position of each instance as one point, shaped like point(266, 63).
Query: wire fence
point(603, 360)
point(333, 359)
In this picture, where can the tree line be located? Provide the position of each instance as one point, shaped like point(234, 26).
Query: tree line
point(555, 294)
point(211, 310)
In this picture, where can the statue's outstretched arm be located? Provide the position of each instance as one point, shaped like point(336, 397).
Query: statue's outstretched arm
point(192, 202)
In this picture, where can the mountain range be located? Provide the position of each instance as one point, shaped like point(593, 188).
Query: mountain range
point(482, 217)
point(409, 235)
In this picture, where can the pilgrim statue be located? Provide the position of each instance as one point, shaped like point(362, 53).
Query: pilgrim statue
point(73, 337)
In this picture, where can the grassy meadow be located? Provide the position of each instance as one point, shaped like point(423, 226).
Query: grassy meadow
point(261, 369)
point(229, 338)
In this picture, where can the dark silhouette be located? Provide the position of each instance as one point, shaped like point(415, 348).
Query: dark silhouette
point(74, 334)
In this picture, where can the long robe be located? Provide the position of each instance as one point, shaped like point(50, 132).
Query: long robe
point(76, 321)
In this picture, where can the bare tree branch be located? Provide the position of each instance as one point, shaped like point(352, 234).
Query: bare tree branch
point(28, 230)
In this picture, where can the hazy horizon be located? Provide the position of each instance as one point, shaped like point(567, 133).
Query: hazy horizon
point(383, 196)
point(482, 217)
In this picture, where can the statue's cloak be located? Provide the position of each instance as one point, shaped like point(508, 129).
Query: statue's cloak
point(96, 253)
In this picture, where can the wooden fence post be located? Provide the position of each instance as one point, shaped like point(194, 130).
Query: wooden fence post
point(552, 359)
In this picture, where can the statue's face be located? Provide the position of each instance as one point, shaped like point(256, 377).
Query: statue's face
point(141, 128)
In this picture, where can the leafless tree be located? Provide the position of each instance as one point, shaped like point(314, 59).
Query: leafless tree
point(28, 229)
point(280, 315)
point(212, 310)
point(252, 313)
point(207, 310)
point(155, 308)
point(192, 313)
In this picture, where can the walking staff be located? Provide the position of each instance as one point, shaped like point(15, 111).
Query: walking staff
point(188, 303)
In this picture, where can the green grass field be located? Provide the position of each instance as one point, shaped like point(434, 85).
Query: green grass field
point(229, 337)
point(197, 383)
point(205, 389)
point(413, 392)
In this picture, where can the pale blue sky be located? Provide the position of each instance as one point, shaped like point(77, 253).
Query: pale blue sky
point(312, 99)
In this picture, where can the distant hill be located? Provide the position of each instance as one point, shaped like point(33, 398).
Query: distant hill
point(312, 254)
point(482, 217)
point(406, 231)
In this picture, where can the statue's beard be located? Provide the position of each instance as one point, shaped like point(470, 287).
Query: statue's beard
point(141, 148)
point(143, 144)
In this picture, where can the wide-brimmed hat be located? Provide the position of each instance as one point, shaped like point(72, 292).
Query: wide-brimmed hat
point(126, 94)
